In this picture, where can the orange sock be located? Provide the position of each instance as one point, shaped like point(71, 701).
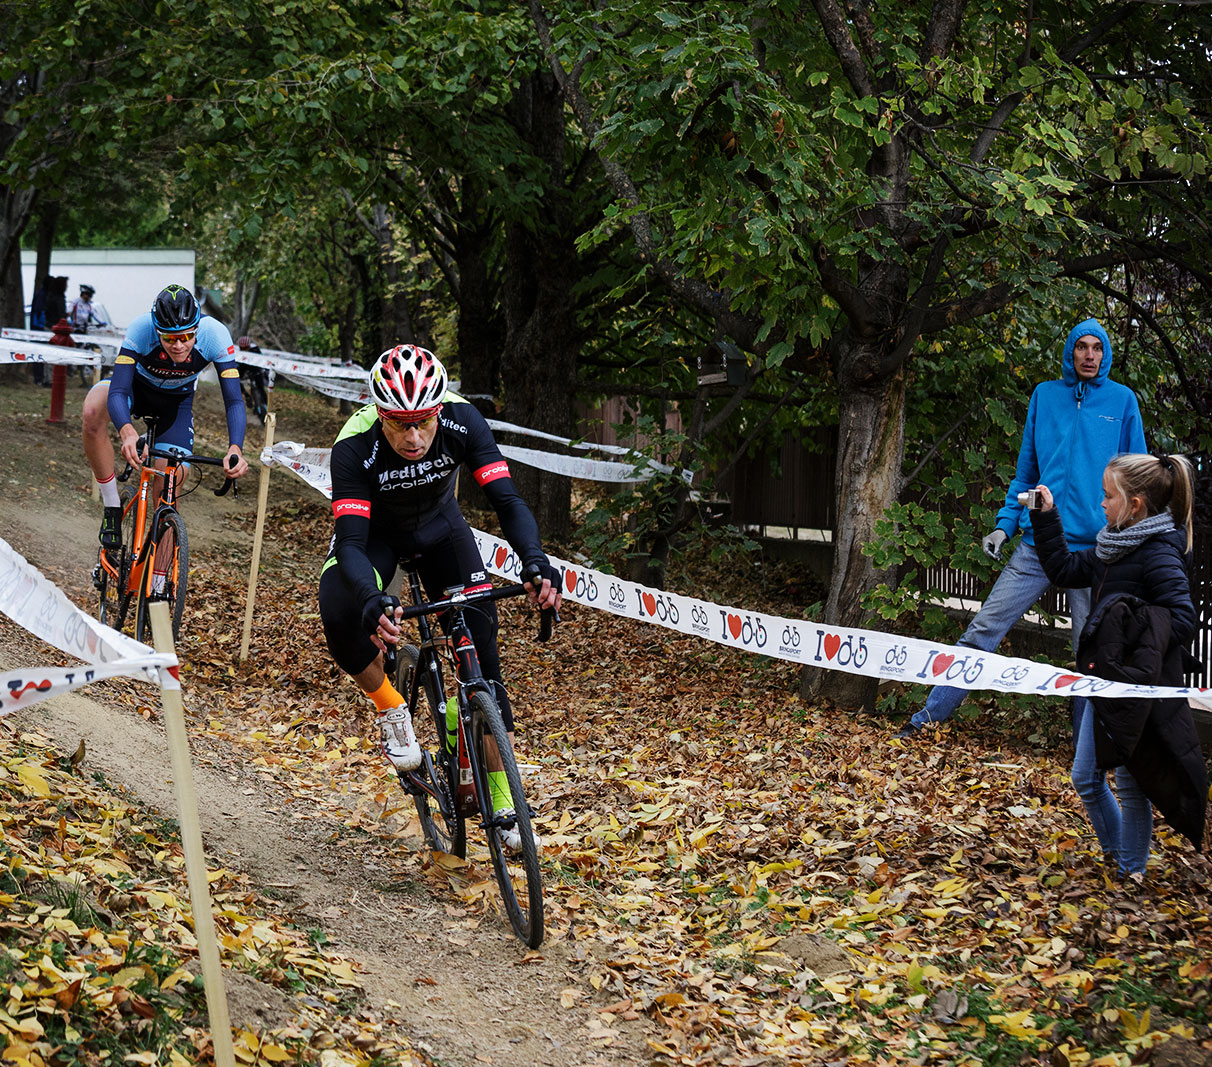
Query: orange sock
point(386, 697)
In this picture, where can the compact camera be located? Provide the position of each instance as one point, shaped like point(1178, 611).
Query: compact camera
point(1030, 499)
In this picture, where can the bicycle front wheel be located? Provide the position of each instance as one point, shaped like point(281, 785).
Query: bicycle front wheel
point(114, 594)
point(164, 575)
point(517, 869)
point(442, 825)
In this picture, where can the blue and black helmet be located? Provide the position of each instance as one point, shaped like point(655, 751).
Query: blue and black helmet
point(175, 309)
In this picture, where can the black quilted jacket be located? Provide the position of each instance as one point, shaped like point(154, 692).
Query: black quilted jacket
point(1140, 624)
point(1155, 571)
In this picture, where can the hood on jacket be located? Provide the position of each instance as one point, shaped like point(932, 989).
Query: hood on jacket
point(1093, 328)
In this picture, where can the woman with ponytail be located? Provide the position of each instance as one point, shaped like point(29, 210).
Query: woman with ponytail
point(1141, 621)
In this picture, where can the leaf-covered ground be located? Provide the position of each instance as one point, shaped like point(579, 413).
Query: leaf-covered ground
point(735, 876)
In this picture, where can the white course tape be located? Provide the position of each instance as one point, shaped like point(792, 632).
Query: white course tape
point(593, 470)
point(103, 340)
point(626, 471)
point(869, 653)
point(309, 464)
point(289, 363)
point(864, 652)
point(39, 606)
point(293, 455)
point(16, 351)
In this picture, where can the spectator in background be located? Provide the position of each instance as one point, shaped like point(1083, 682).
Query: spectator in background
point(1075, 425)
point(37, 306)
point(56, 299)
point(37, 321)
point(81, 313)
point(255, 382)
point(1141, 624)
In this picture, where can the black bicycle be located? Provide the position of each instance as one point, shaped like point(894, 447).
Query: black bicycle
point(461, 738)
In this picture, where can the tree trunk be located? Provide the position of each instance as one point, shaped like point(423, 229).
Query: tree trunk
point(871, 442)
point(481, 328)
point(17, 207)
point(541, 345)
point(397, 325)
point(48, 218)
point(12, 292)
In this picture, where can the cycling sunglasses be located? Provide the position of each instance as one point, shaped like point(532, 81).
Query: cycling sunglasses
point(169, 338)
point(421, 418)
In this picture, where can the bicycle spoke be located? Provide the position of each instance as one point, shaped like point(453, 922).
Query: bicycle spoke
point(517, 870)
point(165, 574)
point(442, 825)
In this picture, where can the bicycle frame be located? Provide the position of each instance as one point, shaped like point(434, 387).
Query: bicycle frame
point(454, 774)
point(462, 767)
point(149, 513)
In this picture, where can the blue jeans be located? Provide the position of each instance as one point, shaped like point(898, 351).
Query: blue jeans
point(1020, 585)
point(1123, 828)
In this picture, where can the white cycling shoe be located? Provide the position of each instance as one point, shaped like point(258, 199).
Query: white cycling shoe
point(511, 839)
point(398, 740)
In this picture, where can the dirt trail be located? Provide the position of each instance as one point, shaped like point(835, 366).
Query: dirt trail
point(462, 993)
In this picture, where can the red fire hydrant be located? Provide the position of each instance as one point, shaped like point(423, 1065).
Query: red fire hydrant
point(62, 332)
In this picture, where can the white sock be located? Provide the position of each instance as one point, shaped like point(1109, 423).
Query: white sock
point(109, 492)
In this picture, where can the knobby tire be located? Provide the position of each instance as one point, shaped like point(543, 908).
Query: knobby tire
point(115, 596)
point(445, 831)
point(517, 872)
point(170, 531)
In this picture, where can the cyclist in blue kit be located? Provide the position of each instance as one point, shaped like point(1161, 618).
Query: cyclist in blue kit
point(156, 373)
point(393, 495)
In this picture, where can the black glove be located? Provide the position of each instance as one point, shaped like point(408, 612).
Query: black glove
point(379, 604)
point(534, 573)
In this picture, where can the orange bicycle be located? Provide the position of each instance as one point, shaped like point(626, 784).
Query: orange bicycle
point(153, 560)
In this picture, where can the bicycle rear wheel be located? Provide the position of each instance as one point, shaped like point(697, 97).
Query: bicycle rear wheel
point(114, 594)
point(443, 826)
point(517, 871)
point(171, 547)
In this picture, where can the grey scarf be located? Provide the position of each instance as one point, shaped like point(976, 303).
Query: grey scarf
point(1115, 544)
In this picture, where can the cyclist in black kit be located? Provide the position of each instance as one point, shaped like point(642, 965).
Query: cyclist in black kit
point(393, 494)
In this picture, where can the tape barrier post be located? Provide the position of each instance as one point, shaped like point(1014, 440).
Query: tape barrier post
point(262, 499)
point(191, 843)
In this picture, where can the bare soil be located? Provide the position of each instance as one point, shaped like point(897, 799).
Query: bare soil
point(462, 998)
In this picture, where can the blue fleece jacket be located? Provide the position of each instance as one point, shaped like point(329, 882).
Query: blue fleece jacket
point(1073, 429)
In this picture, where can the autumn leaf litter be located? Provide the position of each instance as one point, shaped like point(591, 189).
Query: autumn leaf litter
point(731, 876)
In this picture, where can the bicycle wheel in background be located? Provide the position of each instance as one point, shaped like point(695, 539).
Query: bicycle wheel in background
point(114, 594)
point(172, 546)
point(517, 871)
point(443, 826)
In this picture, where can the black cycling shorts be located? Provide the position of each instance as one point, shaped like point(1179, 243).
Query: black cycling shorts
point(448, 556)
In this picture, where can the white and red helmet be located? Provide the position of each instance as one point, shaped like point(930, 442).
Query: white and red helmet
point(407, 383)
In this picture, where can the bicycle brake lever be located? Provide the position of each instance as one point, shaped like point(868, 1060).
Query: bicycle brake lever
point(229, 483)
point(548, 617)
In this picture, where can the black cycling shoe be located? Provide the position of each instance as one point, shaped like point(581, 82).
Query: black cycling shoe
point(111, 528)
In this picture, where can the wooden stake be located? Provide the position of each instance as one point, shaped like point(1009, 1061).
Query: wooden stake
point(191, 843)
point(262, 498)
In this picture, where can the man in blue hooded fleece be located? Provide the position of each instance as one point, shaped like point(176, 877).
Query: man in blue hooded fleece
point(1074, 426)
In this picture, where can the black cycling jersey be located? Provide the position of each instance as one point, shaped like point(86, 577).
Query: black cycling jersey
point(377, 495)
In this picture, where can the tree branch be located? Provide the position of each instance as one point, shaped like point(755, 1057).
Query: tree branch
point(837, 33)
point(696, 294)
point(1146, 316)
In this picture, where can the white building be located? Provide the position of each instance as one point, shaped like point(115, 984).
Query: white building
point(126, 280)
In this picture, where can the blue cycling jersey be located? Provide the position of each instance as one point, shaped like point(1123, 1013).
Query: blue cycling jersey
point(143, 356)
point(142, 347)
